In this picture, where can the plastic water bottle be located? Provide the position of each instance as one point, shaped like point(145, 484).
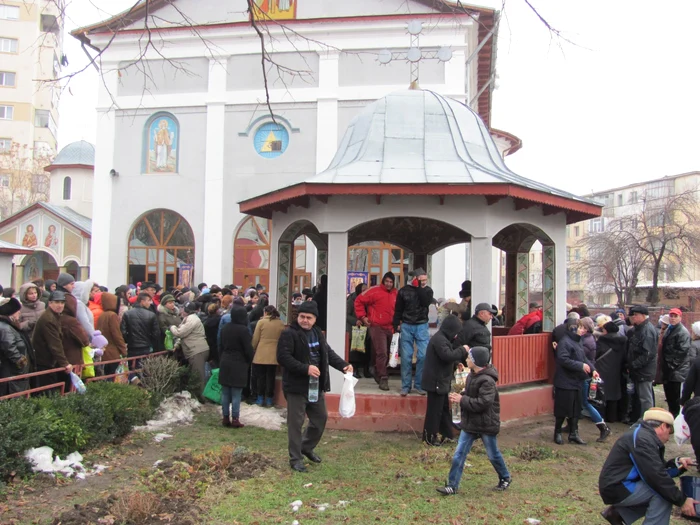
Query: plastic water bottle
point(313, 389)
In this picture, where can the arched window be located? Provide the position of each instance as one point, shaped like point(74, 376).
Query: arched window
point(251, 253)
point(162, 134)
point(66, 188)
point(161, 249)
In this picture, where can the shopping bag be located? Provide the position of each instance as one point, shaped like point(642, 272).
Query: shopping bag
point(169, 344)
point(359, 333)
point(347, 396)
point(394, 351)
point(122, 372)
point(599, 400)
point(77, 383)
point(213, 389)
point(681, 430)
point(88, 371)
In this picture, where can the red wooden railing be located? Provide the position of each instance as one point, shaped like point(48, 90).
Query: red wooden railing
point(522, 359)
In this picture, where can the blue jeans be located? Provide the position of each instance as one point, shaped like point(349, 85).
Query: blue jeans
point(645, 503)
point(595, 415)
point(418, 334)
point(231, 395)
point(466, 440)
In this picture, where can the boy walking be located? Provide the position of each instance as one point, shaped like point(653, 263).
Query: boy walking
point(481, 418)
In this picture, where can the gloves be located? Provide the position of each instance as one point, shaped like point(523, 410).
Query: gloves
point(21, 362)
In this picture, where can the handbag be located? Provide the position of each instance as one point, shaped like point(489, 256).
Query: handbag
point(88, 371)
point(359, 333)
point(394, 351)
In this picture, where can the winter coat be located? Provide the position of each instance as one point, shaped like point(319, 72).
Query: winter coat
point(265, 339)
point(47, 341)
point(621, 325)
point(81, 291)
point(641, 352)
point(610, 359)
point(691, 386)
point(526, 322)
point(462, 309)
point(559, 332)
point(95, 306)
point(74, 339)
point(321, 298)
point(691, 413)
point(294, 358)
point(211, 333)
point(638, 457)
point(140, 329)
point(440, 357)
point(589, 347)
point(350, 314)
point(30, 312)
point(109, 325)
point(571, 356)
point(480, 403)
point(694, 350)
point(236, 351)
point(168, 318)
point(474, 333)
point(676, 348)
point(192, 335)
point(412, 304)
point(13, 346)
point(378, 305)
point(71, 307)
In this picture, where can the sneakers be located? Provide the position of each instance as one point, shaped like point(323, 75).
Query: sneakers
point(503, 484)
point(447, 490)
point(404, 392)
point(420, 391)
point(259, 401)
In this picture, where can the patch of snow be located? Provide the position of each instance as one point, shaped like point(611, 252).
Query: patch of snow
point(308, 485)
point(42, 460)
point(160, 437)
point(267, 418)
point(178, 409)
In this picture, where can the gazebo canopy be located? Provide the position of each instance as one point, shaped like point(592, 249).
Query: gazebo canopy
point(416, 142)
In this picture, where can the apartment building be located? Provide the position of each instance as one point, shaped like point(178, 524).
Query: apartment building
point(31, 43)
point(620, 202)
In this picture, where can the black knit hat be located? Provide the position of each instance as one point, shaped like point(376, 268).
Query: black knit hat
point(9, 306)
point(480, 355)
point(309, 307)
point(611, 327)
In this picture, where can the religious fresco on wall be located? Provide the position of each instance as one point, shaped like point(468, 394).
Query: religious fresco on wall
point(162, 138)
point(29, 239)
point(275, 9)
point(50, 237)
point(33, 268)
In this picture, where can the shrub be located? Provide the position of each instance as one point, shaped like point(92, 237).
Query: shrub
point(20, 430)
point(160, 376)
point(130, 406)
point(65, 428)
point(191, 382)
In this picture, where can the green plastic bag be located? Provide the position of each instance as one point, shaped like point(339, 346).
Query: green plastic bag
point(213, 389)
point(168, 344)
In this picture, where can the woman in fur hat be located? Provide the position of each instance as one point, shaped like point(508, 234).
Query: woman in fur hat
point(16, 352)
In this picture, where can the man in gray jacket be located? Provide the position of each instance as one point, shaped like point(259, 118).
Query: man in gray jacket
point(641, 356)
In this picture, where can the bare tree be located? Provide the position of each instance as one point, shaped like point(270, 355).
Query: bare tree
point(612, 258)
point(667, 231)
point(23, 180)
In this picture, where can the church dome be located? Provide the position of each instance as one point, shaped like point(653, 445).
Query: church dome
point(420, 137)
point(80, 152)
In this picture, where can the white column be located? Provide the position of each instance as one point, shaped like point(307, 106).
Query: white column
point(327, 110)
point(455, 74)
point(212, 245)
point(337, 274)
point(103, 248)
point(437, 277)
point(482, 276)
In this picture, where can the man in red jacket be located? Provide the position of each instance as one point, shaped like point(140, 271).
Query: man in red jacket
point(375, 309)
point(526, 322)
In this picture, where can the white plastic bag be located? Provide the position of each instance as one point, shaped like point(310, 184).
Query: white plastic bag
point(394, 351)
point(77, 383)
point(681, 430)
point(347, 396)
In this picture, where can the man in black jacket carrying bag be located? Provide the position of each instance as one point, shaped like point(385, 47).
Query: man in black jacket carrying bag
point(636, 481)
point(641, 357)
point(305, 357)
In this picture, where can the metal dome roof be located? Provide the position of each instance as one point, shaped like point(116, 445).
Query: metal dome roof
point(80, 152)
point(421, 137)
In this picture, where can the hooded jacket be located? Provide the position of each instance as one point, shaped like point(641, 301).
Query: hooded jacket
point(74, 339)
point(642, 350)
point(168, 318)
point(412, 303)
point(377, 304)
point(526, 322)
point(31, 311)
point(474, 333)
point(13, 346)
point(192, 336)
point(96, 308)
point(108, 324)
point(236, 351)
point(675, 353)
point(638, 456)
point(265, 339)
point(570, 358)
point(46, 294)
point(294, 358)
point(480, 403)
point(440, 357)
point(81, 292)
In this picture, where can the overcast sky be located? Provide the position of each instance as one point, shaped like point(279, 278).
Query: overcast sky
point(616, 106)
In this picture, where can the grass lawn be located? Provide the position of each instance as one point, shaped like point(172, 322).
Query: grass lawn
point(364, 478)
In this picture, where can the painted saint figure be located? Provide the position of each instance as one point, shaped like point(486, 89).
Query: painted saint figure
point(51, 240)
point(29, 239)
point(163, 140)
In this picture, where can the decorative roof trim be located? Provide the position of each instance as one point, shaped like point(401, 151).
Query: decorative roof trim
point(40, 205)
point(515, 142)
point(264, 205)
point(52, 167)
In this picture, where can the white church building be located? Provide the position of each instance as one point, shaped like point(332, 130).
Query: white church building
point(192, 134)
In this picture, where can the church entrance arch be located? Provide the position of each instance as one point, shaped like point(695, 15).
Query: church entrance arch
point(39, 265)
point(161, 249)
